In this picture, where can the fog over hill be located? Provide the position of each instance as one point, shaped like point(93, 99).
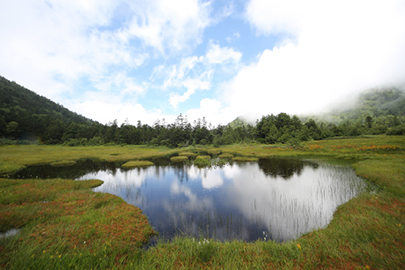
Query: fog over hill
point(375, 103)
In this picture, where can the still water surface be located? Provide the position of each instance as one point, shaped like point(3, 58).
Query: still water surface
point(277, 199)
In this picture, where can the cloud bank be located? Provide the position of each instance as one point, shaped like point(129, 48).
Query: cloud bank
point(331, 49)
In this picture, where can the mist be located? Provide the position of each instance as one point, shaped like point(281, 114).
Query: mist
point(339, 50)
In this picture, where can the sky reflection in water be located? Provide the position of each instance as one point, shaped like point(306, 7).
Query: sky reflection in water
point(283, 198)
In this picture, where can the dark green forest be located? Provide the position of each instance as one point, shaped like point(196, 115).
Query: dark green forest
point(30, 118)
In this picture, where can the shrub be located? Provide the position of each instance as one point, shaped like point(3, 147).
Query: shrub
point(398, 130)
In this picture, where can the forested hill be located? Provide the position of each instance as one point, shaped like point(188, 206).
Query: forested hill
point(375, 103)
point(25, 114)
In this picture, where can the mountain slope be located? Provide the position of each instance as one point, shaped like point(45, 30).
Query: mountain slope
point(375, 103)
point(25, 114)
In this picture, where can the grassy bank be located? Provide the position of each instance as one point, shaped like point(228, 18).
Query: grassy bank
point(65, 224)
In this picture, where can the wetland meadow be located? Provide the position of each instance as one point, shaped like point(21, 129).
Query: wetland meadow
point(72, 219)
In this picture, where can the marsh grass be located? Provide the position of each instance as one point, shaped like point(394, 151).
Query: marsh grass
point(245, 159)
point(63, 226)
point(16, 157)
point(179, 158)
point(226, 156)
point(202, 161)
point(137, 163)
point(97, 231)
point(188, 154)
point(61, 163)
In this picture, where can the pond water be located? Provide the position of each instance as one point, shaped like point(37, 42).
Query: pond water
point(277, 199)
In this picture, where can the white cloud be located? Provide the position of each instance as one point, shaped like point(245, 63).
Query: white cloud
point(119, 83)
point(173, 25)
point(51, 46)
point(274, 16)
point(218, 55)
point(105, 108)
point(213, 112)
point(196, 73)
point(201, 83)
point(339, 48)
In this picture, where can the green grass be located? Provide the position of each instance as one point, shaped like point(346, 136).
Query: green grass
point(58, 216)
point(188, 154)
point(16, 157)
point(202, 161)
point(226, 156)
point(179, 158)
point(65, 224)
point(137, 163)
point(245, 159)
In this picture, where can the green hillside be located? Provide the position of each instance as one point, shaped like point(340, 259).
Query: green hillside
point(375, 103)
point(381, 105)
point(27, 115)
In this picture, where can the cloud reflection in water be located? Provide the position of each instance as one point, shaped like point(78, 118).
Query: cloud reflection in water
point(285, 198)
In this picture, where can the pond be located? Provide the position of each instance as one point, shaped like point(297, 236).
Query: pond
point(277, 199)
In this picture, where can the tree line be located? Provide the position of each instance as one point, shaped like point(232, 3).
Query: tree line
point(26, 117)
point(270, 129)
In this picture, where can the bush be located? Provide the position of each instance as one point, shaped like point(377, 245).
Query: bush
point(294, 142)
point(154, 142)
point(398, 130)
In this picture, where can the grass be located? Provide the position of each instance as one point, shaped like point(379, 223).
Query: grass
point(245, 159)
point(226, 156)
point(202, 161)
point(188, 154)
point(137, 163)
point(179, 158)
point(16, 157)
point(64, 224)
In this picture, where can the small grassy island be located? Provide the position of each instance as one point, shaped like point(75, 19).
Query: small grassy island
point(137, 163)
point(64, 224)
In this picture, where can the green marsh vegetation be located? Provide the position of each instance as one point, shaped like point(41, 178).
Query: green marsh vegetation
point(179, 158)
point(137, 163)
point(64, 224)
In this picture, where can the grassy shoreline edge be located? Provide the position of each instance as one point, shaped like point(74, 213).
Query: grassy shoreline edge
point(365, 233)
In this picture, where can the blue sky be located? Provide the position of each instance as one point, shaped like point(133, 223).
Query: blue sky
point(149, 60)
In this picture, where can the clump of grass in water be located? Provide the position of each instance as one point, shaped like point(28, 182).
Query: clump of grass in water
point(226, 156)
point(179, 158)
point(202, 161)
point(245, 159)
point(137, 163)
